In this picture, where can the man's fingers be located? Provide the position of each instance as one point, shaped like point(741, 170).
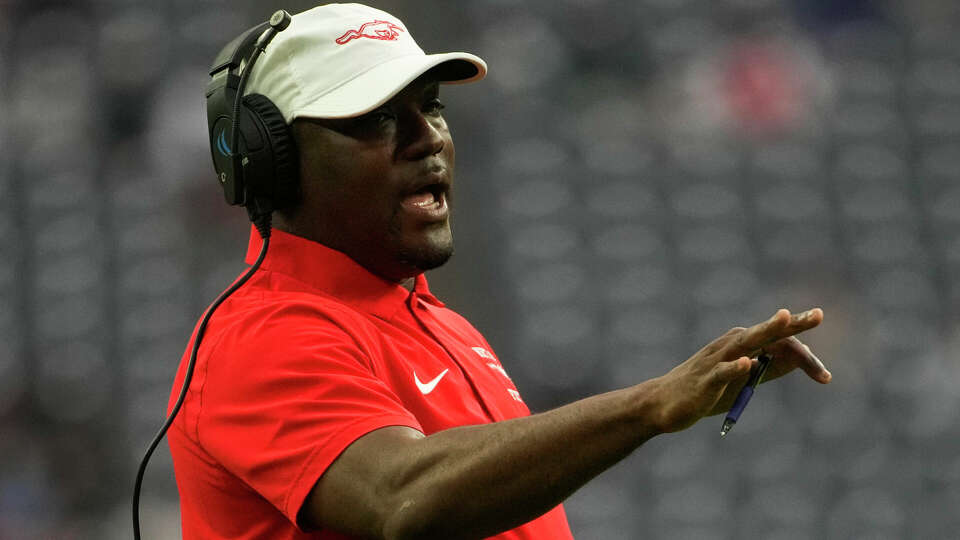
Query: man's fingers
point(794, 351)
point(780, 326)
point(725, 372)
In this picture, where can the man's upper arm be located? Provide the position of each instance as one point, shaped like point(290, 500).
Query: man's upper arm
point(352, 496)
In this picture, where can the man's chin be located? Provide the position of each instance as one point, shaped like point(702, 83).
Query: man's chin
point(430, 252)
point(427, 258)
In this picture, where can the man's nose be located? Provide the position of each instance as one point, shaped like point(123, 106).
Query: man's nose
point(422, 136)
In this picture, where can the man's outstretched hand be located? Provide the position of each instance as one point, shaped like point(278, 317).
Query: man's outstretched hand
point(708, 382)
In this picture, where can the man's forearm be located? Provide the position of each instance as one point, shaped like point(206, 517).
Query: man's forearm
point(476, 481)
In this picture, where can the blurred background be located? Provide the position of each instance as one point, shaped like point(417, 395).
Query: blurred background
point(635, 177)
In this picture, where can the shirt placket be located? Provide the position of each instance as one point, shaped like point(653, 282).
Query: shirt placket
point(423, 317)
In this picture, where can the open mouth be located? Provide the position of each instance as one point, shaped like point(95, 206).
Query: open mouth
point(429, 201)
point(426, 196)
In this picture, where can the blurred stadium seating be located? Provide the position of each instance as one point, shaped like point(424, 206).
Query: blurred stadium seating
point(634, 178)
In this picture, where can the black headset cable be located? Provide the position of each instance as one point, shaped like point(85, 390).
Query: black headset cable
point(187, 376)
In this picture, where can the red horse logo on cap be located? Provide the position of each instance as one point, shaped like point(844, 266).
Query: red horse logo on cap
point(382, 30)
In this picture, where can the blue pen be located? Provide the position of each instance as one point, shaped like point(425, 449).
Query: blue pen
point(744, 396)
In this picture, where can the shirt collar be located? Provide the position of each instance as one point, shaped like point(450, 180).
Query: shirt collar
point(335, 274)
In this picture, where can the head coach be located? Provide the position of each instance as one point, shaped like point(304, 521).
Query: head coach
point(333, 396)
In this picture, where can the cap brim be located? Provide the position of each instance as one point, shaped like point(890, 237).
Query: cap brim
point(376, 86)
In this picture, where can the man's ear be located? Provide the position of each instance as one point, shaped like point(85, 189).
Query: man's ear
point(297, 128)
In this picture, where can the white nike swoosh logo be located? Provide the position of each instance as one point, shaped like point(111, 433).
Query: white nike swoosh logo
point(426, 388)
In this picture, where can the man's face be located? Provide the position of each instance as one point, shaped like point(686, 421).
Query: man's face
point(377, 187)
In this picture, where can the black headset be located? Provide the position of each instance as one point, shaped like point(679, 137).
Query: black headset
point(253, 151)
point(256, 162)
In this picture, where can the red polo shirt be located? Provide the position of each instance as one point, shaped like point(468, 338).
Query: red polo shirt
point(309, 355)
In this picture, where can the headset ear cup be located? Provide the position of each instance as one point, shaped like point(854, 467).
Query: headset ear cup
point(284, 186)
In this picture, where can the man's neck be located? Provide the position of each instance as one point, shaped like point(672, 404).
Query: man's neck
point(284, 223)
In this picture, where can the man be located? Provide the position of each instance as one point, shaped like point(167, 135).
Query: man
point(334, 396)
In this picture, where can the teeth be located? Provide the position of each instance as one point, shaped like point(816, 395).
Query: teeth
point(422, 199)
point(428, 198)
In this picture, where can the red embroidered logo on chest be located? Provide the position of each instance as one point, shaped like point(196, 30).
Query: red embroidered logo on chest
point(382, 30)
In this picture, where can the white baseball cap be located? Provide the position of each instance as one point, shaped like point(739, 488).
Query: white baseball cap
point(345, 60)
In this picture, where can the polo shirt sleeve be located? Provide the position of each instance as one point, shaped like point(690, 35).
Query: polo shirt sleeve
point(283, 397)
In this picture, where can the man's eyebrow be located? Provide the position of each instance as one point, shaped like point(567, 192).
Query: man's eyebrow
point(431, 91)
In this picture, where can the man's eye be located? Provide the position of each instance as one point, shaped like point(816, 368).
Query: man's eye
point(434, 106)
point(380, 116)
point(376, 117)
